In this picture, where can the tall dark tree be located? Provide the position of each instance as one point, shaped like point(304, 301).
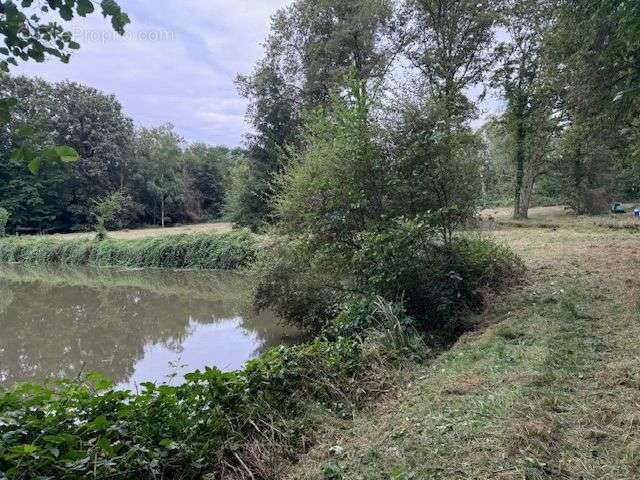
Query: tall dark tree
point(596, 47)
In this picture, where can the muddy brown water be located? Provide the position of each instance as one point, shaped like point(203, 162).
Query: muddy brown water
point(133, 326)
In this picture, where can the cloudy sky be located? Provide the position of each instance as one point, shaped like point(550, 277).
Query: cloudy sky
point(176, 64)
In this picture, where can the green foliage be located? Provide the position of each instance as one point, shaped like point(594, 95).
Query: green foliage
point(150, 164)
point(4, 218)
point(246, 202)
point(408, 264)
point(596, 46)
point(214, 251)
point(349, 212)
point(312, 46)
point(105, 211)
point(361, 314)
point(289, 283)
point(436, 282)
point(29, 36)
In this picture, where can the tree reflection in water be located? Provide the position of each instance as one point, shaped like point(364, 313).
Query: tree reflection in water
point(128, 324)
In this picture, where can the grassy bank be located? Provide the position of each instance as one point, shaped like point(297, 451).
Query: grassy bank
point(243, 424)
point(225, 251)
point(548, 389)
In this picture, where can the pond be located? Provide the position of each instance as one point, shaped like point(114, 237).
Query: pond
point(133, 326)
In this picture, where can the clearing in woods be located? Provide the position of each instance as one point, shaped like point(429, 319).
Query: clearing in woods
point(548, 386)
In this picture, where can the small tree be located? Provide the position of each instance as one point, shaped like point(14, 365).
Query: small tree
point(105, 210)
point(4, 218)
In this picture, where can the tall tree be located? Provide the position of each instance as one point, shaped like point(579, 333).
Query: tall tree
point(596, 47)
point(312, 46)
point(523, 76)
point(66, 113)
point(450, 44)
point(158, 153)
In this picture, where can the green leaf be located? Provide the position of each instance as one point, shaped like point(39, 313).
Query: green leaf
point(99, 424)
point(19, 154)
point(34, 165)
point(66, 13)
point(67, 154)
point(6, 105)
point(25, 131)
point(85, 7)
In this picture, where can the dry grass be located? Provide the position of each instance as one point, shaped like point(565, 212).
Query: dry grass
point(213, 227)
point(559, 216)
point(550, 389)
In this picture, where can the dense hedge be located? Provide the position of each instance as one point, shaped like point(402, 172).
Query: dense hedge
point(216, 251)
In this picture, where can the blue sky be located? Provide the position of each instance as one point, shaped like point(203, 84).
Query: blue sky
point(176, 64)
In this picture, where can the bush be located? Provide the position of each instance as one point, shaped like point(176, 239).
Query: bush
point(435, 281)
point(408, 264)
point(215, 251)
point(84, 429)
point(4, 218)
point(361, 314)
point(289, 284)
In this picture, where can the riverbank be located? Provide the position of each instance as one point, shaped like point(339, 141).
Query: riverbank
point(547, 389)
point(223, 251)
point(244, 423)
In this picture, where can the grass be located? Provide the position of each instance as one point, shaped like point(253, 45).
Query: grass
point(546, 388)
point(559, 217)
point(223, 251)
point(132, 234)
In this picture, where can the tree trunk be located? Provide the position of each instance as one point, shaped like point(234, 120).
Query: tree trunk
point(525, 195)
point(162, 211)
point(519, 159)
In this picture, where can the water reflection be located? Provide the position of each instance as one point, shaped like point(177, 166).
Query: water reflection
point(134, 326)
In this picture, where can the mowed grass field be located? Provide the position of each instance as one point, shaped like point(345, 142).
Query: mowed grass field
point(546, 387)
point(132, 234)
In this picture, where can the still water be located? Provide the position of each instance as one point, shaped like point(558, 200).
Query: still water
point(134, 326)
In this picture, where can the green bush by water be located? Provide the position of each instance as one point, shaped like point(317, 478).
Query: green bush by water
point(215, 251)
point(210, 424)
point(409, 264)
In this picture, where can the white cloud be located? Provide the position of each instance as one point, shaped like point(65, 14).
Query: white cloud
point(177, 63)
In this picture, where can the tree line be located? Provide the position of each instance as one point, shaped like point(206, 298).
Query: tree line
point(157, 177)
point(566, 71)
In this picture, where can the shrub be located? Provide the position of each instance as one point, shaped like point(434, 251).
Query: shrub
point(84, 429)
point(435, 281)
point(4, 218)
point(289, 283)
point(105, 211)
point(215, 251)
